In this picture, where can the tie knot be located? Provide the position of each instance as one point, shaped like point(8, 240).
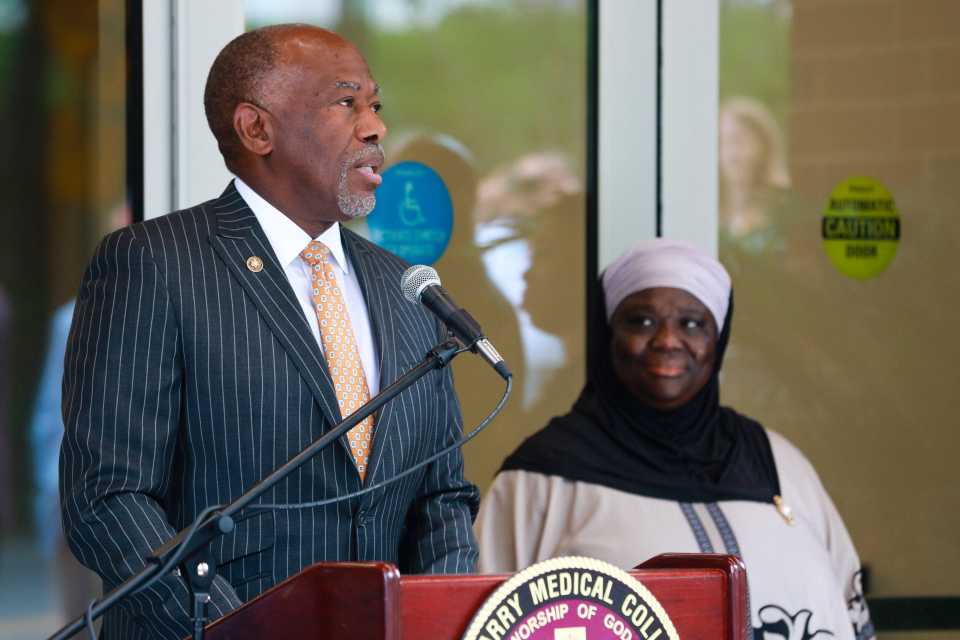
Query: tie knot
point(315, 252)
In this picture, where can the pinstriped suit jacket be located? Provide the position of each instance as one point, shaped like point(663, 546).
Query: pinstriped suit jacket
point(188, 378)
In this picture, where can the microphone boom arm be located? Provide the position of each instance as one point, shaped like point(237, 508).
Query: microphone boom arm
point(193, 540)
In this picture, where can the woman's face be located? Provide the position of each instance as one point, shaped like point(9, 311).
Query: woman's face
point(742, 152)
point(664, 346)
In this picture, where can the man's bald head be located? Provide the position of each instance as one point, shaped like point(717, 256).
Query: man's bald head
point(252, 68)
point(294, 110)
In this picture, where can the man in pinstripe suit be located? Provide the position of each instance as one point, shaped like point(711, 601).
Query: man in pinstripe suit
point(195, 366)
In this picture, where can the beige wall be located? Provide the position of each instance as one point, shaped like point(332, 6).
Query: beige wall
point(876, 90)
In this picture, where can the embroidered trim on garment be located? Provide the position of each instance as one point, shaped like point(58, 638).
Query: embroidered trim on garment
point(703, 541)
point(730, 544)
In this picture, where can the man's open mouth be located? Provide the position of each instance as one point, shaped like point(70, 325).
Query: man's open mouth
point(369, 167)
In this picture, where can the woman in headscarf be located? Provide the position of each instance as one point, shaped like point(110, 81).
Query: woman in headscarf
point(648, 462)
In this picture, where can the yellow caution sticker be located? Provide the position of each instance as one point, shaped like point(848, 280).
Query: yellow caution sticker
point(861, 228)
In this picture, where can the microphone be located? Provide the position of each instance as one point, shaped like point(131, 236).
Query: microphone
point(421, 283)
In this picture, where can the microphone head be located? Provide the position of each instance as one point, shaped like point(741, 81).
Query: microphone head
point(416, 279)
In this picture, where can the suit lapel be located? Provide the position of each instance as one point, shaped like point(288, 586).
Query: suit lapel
point(378, 305)
point(239, 237)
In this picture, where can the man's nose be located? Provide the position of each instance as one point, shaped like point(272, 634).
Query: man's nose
point(372, 128)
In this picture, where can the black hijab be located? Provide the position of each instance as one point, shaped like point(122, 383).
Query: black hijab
point(700, 452)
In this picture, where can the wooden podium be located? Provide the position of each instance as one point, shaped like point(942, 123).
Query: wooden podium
point(704, 595)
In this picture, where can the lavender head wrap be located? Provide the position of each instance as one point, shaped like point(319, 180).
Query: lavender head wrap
point(660, 262)
point(698, 452)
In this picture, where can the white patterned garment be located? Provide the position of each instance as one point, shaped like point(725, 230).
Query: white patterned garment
point(803, 580)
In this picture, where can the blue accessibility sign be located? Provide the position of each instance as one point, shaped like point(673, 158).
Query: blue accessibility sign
point(413, 217)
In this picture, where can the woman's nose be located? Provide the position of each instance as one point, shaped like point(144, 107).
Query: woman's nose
point(666, 337)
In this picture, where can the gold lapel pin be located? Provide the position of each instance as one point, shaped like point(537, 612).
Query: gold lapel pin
point(255, 264)
point(784, 510)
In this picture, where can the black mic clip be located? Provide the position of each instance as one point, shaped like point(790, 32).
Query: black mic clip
point(464, 329)
point(444, 352)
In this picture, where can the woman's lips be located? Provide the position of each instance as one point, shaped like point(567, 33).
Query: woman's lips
point(667, 370)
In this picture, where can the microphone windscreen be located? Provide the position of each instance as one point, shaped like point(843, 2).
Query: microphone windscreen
point(416, 279)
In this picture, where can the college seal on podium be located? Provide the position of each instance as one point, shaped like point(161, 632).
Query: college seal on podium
point(571, 598)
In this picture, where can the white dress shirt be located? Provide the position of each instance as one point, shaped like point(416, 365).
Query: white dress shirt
point(288, 240)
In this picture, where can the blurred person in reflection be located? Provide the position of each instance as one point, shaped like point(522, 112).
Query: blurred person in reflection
point(769, 241)
point(46, 434)
point(753, 175)
point(463, 274)
point(461, 266)
point(77, 584)
point(540, 196)
point(648, 462)
point(7, 501)
point(555, 294)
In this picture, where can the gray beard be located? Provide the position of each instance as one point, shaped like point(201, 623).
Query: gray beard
point(351, 204)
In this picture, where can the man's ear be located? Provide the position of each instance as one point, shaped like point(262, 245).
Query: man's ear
point(254, 127)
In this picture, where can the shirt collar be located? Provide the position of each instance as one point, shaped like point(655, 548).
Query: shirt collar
point(285, 236)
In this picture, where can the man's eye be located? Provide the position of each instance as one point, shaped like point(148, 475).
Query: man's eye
point(377, 107)
point(347, 102)
point(690, 324)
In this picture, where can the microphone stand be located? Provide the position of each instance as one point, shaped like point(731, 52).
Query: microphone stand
point(191, 546)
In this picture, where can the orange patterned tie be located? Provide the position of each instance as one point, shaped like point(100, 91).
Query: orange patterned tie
point(343, 359)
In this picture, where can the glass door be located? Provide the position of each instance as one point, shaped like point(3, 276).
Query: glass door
point(491, 96)
point(842, 113)
point(63, 186)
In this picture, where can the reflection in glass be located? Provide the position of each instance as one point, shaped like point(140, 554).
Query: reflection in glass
point(491, 95)
point(63, 173)
point(529, 212)
point(858, 374)
point(753, 172)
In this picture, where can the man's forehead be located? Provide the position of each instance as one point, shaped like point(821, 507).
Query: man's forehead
point(332, 70)
point(333, 60)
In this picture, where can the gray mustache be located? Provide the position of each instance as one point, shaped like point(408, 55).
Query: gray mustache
point(373, 150)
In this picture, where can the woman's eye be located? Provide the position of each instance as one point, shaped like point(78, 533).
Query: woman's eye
point(646, 322)
point(690, 324)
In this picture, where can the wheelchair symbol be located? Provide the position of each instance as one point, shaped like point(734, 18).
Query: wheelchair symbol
point(410, 212)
